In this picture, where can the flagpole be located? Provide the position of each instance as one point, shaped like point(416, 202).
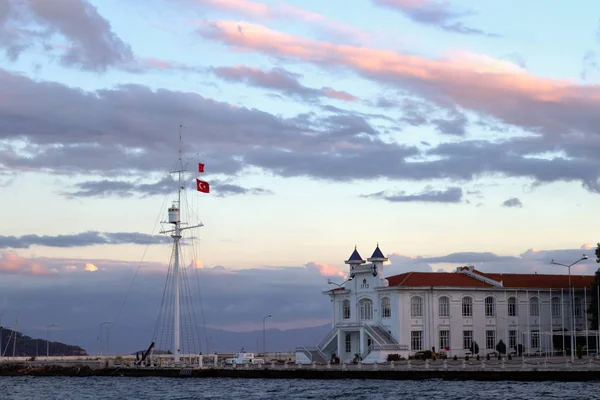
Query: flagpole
point(587, 343)
point(551, 327)
point(528, 332)
point(562, 320)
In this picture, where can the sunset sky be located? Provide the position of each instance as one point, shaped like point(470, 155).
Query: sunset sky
point(449, 132)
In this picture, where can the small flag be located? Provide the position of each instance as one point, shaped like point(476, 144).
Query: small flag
point(202, 186)
point(200, 167)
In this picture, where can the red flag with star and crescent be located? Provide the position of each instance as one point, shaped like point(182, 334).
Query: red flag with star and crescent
point(202, 186)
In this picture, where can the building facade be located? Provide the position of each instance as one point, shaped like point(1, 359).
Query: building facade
point(465, 312)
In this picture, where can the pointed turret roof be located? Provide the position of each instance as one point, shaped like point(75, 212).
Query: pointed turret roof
point(355, 258)
point(377, 255)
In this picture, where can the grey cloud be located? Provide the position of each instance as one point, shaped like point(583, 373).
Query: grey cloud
point(513, 202)
point(93, 44)
point(80, 129)
point(122, 188)
point(450, 195)
point(468, 258)
point(281, 80)
point(90, 238)
point(223, 189)
point(456, 124)
point(431, 12)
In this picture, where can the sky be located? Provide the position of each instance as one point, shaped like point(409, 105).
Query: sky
point(449, 132)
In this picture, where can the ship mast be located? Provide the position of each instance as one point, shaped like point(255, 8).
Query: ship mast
point(175, 219)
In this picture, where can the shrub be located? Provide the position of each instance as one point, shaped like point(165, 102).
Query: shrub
point(393, 357)
point(487, 357)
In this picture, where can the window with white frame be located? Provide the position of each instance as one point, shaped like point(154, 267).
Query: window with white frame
point(490, 340)
point(467, 339)
point(490, 306)
point(556, 307)
point(578, 307)
point(348, 343)
point(416, 340)
point(416, 306)
point(444, 339)
point(512, 340)
point(444, 306)
point(366, 309)
point(346, 309)
point(534, 307)
point(467, 306)
point(386, 308)
point(535, 339)
point(512, 306)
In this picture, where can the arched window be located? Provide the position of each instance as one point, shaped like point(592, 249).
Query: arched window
point(467, 306)
point(578, 307)
point(512, 306)
point(416, 306)
point(556, 307)
point(490, 306)
point(444, 306)
point(346, 309)
point(386, 308)
point(366, 309)
point(534, 307)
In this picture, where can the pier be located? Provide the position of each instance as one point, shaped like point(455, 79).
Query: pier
point(517, 369)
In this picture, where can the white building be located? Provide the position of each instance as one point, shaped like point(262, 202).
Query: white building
point(374, 316)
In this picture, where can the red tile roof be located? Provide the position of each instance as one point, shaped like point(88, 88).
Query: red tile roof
point(462, 279)
point(542, 281)
point(416, 279)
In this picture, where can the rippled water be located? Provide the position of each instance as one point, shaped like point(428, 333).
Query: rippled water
point(213, 388)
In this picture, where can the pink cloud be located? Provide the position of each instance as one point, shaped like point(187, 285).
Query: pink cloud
point(476, 82)
point(12, 263)
point(282, 11)
point(325, 269)
point(340, 95)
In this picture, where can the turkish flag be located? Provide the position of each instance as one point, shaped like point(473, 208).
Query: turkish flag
point(200, 167)
point(202, 186)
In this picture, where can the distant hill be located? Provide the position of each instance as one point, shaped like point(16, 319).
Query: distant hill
point(26, 346)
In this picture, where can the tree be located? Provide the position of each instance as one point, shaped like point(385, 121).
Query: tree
point(593, 307)
point(501, 347)
point(474, 347)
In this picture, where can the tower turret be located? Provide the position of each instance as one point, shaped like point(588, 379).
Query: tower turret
point(377, 259)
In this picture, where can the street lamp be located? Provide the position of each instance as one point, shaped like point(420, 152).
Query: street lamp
point(329, 281)
point(48, 339)
point(571, 295)
point(101, 325)
point(264, 336)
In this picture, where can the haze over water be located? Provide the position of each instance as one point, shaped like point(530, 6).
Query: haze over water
point(209, 388)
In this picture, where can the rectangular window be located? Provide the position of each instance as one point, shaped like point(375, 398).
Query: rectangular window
point(490, 340)
point(512, 307)
point(512, 340)
point(490, 307)
point(346, 309)
point(444, 340)
point(534, 307)
point(535, 339)
point(578, 312)
point(556, 307)
point(444, 303)
point(386, 308)
point(348, 343)
point(416, 340)
point(467, 307)
point(467, 339)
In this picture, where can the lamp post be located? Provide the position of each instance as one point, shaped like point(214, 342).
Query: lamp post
point(264, 335)
point(48, 339)
point(329, 281)
point(571, 295)
point(101, 325)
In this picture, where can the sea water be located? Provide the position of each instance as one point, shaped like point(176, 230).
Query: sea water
point(220, 388)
